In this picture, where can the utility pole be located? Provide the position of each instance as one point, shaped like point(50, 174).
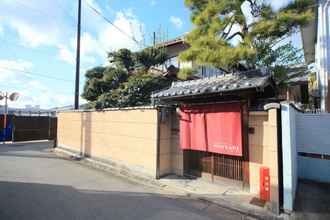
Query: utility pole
point(154, 38)
point(76, 94)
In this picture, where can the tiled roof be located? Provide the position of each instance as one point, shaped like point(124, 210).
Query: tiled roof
point(298, 74)
point(215, 84)
point(298, 80)
point(171, 42)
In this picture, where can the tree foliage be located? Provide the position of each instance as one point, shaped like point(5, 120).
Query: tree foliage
point(185, 73)
point(144, 59)
point(126, 82)
point(150, 57)
point(225, 36)
point(123, 58)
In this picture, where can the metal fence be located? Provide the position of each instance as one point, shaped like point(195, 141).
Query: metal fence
point(28, 128)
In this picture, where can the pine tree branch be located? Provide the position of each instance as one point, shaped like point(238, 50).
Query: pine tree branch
point(231, 22)
point(225, 34)
point(235, 34)
point(255, 9)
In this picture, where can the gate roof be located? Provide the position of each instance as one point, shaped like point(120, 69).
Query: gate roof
point(216, 84)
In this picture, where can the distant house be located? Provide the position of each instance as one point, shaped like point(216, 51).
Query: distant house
point(297, 90)
point(172, 66)
point(297, 85)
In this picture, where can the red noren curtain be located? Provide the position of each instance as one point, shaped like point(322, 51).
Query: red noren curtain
point(214, 128)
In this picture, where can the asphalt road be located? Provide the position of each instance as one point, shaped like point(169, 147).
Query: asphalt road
point(35, 184)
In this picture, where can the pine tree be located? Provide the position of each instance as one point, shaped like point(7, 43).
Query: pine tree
point(126, 82)
point(225, 36)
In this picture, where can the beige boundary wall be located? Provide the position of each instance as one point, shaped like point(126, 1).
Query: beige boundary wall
point(171, 156)
point(131, 137)
point(263, 152)
point(128, 136)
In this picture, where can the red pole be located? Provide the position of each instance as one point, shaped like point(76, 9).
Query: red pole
point(5, 117)
point(5, 113)
point(5, 121)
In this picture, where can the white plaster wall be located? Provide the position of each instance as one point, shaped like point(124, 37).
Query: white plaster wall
point(290, 170)
point(313, 136)
point(313, 133)
point(314, 169)
point(323, 50)
point(304, 133)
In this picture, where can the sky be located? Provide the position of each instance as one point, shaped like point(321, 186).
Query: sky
point(38, 38)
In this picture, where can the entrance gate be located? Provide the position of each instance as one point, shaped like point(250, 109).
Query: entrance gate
point(200, 164)
point(219, 145)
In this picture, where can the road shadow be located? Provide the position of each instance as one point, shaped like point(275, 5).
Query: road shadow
point(313, 200)
point(44, 201)
point(35, 149)
point(26, 146)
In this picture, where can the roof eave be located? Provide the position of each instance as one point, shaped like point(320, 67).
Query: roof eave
point(224, 92)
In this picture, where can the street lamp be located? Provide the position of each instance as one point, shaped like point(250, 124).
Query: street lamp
point(12, 97)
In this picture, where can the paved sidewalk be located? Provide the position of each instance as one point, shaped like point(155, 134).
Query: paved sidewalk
point(226, 195)
point(37, 184)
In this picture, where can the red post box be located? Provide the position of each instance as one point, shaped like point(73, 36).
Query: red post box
point(264, 184)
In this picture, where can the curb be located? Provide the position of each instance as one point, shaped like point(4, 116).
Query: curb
point(141, 178)
point(112, 168)
point(227, 204)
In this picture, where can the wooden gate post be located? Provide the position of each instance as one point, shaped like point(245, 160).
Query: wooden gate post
point(245, 141)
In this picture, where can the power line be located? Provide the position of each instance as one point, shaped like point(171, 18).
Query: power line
point(18, 45)
point(12, 85)
point(36, 74)
point(111, 23)
point(24, 71)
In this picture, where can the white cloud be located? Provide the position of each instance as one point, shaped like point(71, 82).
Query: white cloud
point(153, 2)
point(66, 54)
point(90, 46)
point(8, 67)
point(38, 23)
point(89, 49)
point(45, 99)
point(107, 38)
point(176, 21)
point(32, 37)
point(32, 91)
point(43, 23)
point(112, 39)
point(94, 4)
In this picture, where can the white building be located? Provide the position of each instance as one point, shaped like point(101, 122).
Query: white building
point(316, 43)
